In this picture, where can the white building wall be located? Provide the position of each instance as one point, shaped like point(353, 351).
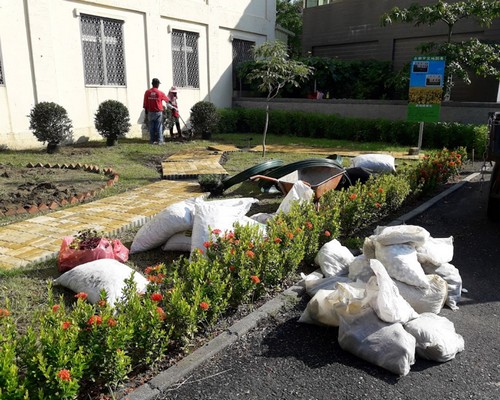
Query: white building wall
point(41, 55)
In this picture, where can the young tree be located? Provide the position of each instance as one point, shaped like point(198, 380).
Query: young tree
point(273, 70)
point(289, 16)
point(461, 57)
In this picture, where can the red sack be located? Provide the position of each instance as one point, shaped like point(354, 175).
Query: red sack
point(70, 257)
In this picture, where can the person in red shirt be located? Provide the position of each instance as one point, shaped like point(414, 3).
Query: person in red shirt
point(153, 106)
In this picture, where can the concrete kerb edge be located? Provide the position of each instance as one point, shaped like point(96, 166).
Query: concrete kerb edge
point(167, 378)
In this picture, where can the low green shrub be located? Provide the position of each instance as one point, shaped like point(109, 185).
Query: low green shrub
point(112, 120)
point(204, 118)
point(50, 123)
point(298, 123)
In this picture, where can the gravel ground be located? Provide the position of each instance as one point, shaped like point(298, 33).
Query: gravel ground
point(282, 359)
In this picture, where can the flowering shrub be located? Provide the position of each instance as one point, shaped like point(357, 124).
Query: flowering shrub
point(436, 168)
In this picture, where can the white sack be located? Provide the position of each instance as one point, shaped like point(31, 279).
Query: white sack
point(436, 337)
point(452, 277)
point(436, 251)
point(179, 242)
point(104, 274)
point(423, 300)
point(375, 163)
point(324, 307)
point(384, 297)
point(329, 283)
point(299, 192)
point(333, 258)
point(262, 217)
point(401, 263)
point(387, 345)
point(359, 268)
point(399, 234)
point(218, 214)
point(369, 247)
point(175, 218)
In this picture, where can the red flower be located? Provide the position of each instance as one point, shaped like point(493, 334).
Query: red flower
point(277, 240)
point(378, 205)
point(232, 268)
point(290, 235)
point(65, 325)
point(64, 375)
point(101, 303)
point(255, 279)
point(204, 306)
point(328, 234)
point(230, 235)
point(250, 253)
point(161, 313)
point(111, 322)
point(451, 164)
point(380, 190)
point(353, 196)
point(148, 270)
point(56, 307)
point(157, 297)
point(4, 312)
point(81, 295)
point(216, 231)
point(232, 251)
point(309, 225)
point(95, 320)
point(207, 244)
point(251, 245)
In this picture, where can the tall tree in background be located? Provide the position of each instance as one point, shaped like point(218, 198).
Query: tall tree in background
point(289, 16)
point(462, 57)
point(272, 71)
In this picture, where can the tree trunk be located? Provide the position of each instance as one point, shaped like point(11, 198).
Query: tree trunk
point(265, 131)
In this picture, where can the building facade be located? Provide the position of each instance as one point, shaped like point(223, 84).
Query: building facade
point(352, 30)
point(80, 53)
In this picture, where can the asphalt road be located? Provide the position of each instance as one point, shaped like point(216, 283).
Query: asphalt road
point(283, 359)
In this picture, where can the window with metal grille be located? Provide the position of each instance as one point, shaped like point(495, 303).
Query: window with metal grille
point(185, 59)
point(103, 55)
point(242, 51)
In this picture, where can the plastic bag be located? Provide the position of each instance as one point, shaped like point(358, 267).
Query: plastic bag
point(387, 345)
point(436, 337)
point(69, 258)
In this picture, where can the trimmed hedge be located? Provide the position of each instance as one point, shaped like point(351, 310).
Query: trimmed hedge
point(317, 125)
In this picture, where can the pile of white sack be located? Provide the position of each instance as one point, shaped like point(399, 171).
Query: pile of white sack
point(386, 300)
point(185, 226)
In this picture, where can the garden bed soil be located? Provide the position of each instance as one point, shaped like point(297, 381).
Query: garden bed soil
point(26, 187)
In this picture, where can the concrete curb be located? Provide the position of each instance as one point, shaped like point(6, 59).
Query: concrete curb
point(167, 378)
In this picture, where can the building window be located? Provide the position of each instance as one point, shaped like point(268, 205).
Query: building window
point(242, 51)
point(185, 59)
point(103, 55)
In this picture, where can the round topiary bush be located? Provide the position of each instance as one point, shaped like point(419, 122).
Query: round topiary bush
point(204, 118)
point(112, 120)
point(50, 124)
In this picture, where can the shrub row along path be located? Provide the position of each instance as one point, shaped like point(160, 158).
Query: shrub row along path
point(38, 239)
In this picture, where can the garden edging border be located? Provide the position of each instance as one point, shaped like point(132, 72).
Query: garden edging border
point(74, 199)
point(152, 389)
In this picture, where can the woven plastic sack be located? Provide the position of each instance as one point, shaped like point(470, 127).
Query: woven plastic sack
point(436, 251)
point(359, 268)
point(300, 192)
point(384, 297)
point(334, 259)
point(375, 163)
point(436, 337)
point(401, 263)
point(387, 345)
point(401, 234)
point(427, 300)
point(451, 275)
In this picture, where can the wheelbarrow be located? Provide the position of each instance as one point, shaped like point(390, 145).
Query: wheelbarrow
point(320, 179)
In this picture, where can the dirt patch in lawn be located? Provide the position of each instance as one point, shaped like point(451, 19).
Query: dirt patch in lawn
point(27, 187)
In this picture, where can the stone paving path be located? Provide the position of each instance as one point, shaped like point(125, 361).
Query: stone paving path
point(39, 238)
